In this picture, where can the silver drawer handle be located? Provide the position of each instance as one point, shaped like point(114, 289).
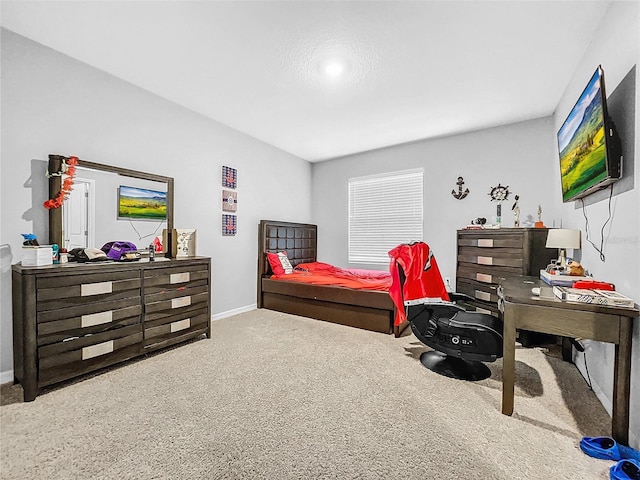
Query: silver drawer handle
point(96, 318)
point(179, 277)
point(180, 302)
point(485, 260)
point(180, 325)
point(97, 350)
point(480, 295)
point(87, 289)
point(485, 242)
point(483, 277)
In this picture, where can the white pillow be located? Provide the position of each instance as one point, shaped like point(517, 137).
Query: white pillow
point(284, 261)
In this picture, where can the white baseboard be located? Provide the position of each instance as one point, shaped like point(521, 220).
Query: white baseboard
point(6, 377)
point(235, 311)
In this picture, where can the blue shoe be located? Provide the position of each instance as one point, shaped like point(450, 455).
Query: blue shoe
point(625, 470)
point(607, 448)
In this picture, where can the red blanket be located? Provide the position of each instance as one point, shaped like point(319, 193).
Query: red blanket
point(319, 273)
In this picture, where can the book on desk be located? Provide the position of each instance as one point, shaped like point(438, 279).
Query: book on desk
point(597, 297)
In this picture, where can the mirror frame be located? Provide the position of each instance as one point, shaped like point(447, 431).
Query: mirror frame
point(55, 185)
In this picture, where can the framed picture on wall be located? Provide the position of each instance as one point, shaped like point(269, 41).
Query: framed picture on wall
point(229, 201)
point(229, 177)
point(229, 225)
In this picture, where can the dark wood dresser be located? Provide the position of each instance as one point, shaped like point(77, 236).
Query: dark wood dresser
point(485, 256)
point(72, 319)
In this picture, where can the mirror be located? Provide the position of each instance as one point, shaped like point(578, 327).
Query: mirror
point(90, 215)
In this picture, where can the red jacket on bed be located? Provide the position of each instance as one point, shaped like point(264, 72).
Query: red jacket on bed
point(422, 277)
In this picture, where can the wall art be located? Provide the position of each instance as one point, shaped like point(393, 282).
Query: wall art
point(229, 225)
point(229, 201)
point(229, 177)
point(460, 194)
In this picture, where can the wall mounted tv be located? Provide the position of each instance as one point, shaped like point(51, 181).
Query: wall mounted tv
point(141, 203)
point(590, 153)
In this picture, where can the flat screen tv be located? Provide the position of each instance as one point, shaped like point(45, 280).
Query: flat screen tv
point(141, 203)
point(590, 153)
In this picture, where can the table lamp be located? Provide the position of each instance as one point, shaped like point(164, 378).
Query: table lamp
point(563, 238)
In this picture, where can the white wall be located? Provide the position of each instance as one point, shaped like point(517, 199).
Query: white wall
point(54, 104)
point(616, 45)
point(519, 156)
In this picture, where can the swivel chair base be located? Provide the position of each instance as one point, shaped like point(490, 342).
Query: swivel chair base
point(454, 367)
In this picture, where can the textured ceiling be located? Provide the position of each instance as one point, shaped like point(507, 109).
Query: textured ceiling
point(412, 70)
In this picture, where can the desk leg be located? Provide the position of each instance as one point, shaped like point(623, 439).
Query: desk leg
point(508, 358)
point(622, 383)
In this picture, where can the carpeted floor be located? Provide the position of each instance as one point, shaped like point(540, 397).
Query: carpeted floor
point(276, 396)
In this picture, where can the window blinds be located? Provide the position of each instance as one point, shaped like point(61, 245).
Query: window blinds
point(384, 211)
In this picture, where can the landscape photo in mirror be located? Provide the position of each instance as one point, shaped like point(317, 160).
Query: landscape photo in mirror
point(581, 142)
point(141, 203)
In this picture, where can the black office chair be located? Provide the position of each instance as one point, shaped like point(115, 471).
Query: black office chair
point(461, 340)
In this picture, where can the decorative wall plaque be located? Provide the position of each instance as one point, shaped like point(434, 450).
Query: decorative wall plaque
point(229, 201)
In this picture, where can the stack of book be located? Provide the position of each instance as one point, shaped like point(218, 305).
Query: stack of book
point(597, 297)
point(561, 280)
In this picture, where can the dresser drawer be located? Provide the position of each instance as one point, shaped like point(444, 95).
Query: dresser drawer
point(172, 278)
point(76, 290)
point(74, 356)
point(174, 300)
point(91, 312)
point(481, 307)
point(486, 273)
point(501, 257)
point(58, 330)
point(490, 240)
point(171, 326)
point(480, 291)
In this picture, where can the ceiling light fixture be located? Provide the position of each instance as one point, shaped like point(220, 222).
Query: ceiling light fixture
point(334, 68)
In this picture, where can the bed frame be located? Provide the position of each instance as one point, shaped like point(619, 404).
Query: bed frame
point(369, 310)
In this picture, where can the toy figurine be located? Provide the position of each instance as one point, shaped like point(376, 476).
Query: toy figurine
point(516, 212)
point(539, 223)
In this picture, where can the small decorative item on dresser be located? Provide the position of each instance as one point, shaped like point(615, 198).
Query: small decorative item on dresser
point(516, 212)
point(539, 223)
point(185, 239)
point(36, 256)
point(499, 193)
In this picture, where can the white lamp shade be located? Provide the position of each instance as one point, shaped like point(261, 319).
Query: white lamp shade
point(563, 238)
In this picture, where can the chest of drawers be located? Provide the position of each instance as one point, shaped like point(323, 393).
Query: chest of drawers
point(484, 256)
point(72, 319)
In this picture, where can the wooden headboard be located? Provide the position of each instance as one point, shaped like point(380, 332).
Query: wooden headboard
point(299, 240)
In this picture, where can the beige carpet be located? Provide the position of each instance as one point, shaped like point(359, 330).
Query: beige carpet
point(276, 396)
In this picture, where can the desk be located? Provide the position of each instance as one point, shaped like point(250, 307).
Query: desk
point(547, 314)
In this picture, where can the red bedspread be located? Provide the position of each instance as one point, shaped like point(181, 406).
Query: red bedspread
point(319, 273)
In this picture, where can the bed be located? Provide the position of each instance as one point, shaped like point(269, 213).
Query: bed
point(367, 309)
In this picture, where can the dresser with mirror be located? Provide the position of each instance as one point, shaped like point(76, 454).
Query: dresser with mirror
point(75, 318)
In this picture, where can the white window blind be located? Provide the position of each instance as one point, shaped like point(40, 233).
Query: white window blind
point(384, 211)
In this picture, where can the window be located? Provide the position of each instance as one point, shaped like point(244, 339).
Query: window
point(384, 211)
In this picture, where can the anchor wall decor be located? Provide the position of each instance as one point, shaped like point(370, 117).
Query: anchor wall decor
point(460, 194)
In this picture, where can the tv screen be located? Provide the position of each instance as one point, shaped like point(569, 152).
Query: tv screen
point(589, 155)
point(141, 203)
